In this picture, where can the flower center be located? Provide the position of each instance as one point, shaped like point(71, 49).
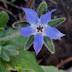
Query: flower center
point(40, 28)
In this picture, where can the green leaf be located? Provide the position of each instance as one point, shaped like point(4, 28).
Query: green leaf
point(25, 60)
point(3, 18)
point(10, 31)
point(13, 37)
point(6, 36)
point(42, 9)
point(11, 50)
point(56, 22)
point(29, 42)
point(7, 32)
point(51, 69)
point(12, 43)
point(19, 41)
point(48, 43)
point(3, 67)
point(5, 56)
point(20, 24)
point(0, 49)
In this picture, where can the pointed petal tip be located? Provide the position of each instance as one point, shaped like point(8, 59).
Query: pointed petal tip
point(53, 10)
point(38, 42)
point(24, 8)
point(63, 34)
point(37, 51)
point(53, 33)
point(31, 16)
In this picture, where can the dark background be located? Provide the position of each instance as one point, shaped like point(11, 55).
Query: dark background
point(62, 58)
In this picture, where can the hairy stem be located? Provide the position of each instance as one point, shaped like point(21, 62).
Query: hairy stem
point(9, 36)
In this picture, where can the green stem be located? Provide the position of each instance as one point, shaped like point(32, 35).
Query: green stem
point(9, 36)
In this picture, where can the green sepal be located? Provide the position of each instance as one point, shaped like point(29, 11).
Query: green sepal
point(5, 56)
point(42, 9)
point(49, 44)
point(52, 23)
point(3, 19)
point(56, 22)
point(20, 24)
point(29, 42)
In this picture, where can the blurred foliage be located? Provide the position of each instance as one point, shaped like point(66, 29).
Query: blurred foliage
point(3, 20)
point(11, 43)
point(51, 69)
point(25, 60)
point(3, 67)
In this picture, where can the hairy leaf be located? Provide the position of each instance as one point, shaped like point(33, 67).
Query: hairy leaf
point(3, 18)
point(42, 9)
point(48, 43)
point(5, 56)
point(29, 42)
point(56, 22)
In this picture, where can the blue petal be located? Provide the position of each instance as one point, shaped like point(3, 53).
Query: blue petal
point(53, 33)
point(38, 42)
point(31, 16)
point(27, 31)
point(45, 18)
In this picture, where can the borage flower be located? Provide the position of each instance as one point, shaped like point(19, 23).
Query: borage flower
point(39, 28)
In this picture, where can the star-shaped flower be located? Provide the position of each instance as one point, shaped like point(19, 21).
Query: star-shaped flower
point(39, 28)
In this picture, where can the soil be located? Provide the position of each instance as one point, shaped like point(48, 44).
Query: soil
point(63, 47)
